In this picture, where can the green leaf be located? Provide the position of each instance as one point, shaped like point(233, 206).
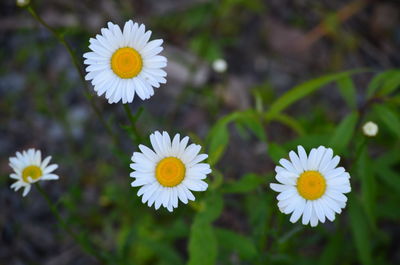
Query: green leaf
point(332, 251)
point(391, 84)
point(276, 152)
point(387, 81)
point(360, 231)
point(348, 91)
point(389, 118)
point(211, 207)
point(300, 91)
point(237, 243)
point(343, 133)
point(390, 177)
point(202, 244)
point(218, 138)
point(245, 184)
point(166, 252)
point(368, 184)
point(289, 122)
point(251, 120)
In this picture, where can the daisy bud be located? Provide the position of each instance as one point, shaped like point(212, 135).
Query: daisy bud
point(370, 129)
point(220, 65)
point(22, 3)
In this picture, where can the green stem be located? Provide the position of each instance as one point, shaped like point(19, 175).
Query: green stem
point(78, 239)
point(132, 120)
point(77, 65)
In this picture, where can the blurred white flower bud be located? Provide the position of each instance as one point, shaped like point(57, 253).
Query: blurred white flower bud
point(370, 128)
point(219, 65)
point(22, 3)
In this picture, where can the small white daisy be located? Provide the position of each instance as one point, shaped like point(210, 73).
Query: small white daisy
point(29, 168)
point(312, 187)
point(170, 172)
point(123, 63)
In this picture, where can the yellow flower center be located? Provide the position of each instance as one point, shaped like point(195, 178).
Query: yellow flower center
point(31, 173)
point(311, 185)
point(126, 62)
point(170, 171)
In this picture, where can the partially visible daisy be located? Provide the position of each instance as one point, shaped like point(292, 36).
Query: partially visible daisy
point(311, 187)
point(170, 172)
point(29, 168)
point(123, 63)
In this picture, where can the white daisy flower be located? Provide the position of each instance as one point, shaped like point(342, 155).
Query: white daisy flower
point(29, 168)
point(125, 62)
point(311, 187)
point(170, 172)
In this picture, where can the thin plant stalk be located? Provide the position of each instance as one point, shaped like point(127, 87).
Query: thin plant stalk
point(132, 119)
point(89, 97)
point(80, 240)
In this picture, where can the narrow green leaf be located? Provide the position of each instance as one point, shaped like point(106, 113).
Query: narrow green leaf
point(388, 81)
point(390, 177)
point(289, 122)
point(389, 118)
point(343, 133)
point(360, 231)
point(237, 243)
point(368, 184)
point(251, 120)
point(245, 184)
point(348, 91)
point(391, 84)
point(218, 138)
point(302, 90)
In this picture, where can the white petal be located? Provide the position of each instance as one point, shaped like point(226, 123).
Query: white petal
point(303, 157)
point(279, 187)
point(307, 213)
point(49, 177)
point(50, 169)
point(287, 193)
point(314, 218)
point(195, 185)
point(148, 153)
point(26, 190)
point(334, 173)
point(298, 211)
point(296, 161)
point(288, 166)
point(190, 153)
point(319, 211)
point(326, 159)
